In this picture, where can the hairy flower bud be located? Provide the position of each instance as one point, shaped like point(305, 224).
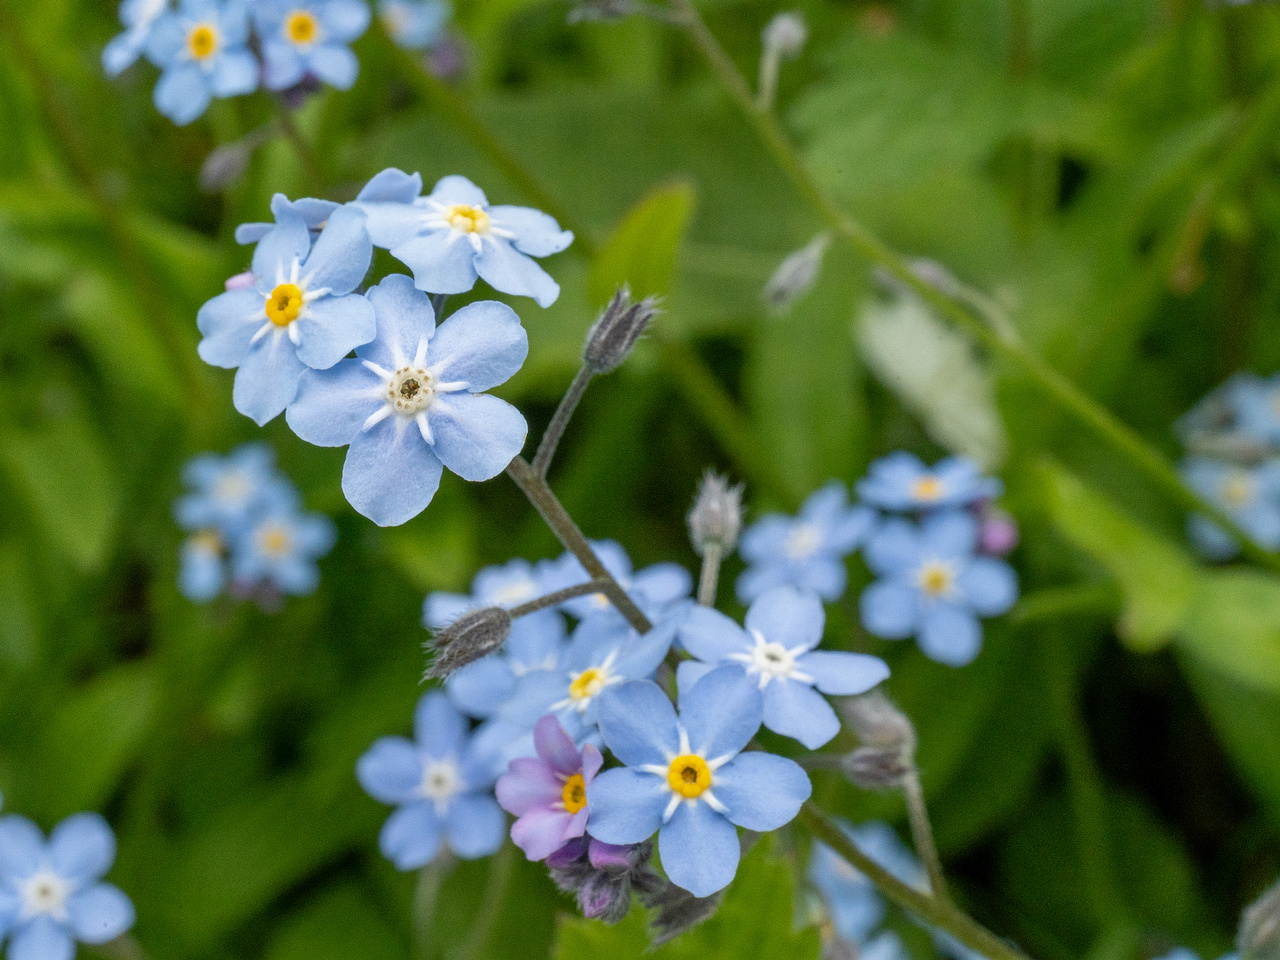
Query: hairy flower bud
point(716, 517)
point(1259, 936)
point(796, 274)
point(879, 723)
point(603, 879)
point(679, 911)
point(875, 768)
point(600, 10)
point(225, 165)
point(786, 34)
point(472, 636)
point(612, 336)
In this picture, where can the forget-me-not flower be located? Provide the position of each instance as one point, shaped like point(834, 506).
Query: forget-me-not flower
point(302, 38)
point(655, 589)
point(281, 549)
point(202, 568)
point(314, 213)
point(412, 401)
point(51, 893)
point(853, 902)
point(1250, 495)
point(302, 312)
point(933, 586)
point(138, 17)
point(229, 492)
point(687, 779)
point(452, 236)
point(203, 50)
point(1255, 403)
point(901, 482)
point(805, 551)
point(776, 654)
point(414, 24)
point(441, 784)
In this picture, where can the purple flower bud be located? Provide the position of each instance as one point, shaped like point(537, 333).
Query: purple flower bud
point(241, 281)
point(997, 531)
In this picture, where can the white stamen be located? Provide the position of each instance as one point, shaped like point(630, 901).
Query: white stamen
point(424, 427)
point(370, 365)
point(377, 417)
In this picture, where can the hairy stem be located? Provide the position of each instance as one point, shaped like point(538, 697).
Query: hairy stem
point(494, 892)
point(564, 412)
point(922, 833)
point(426, 896)
point(553, 512)
point(559, 596)
point(710, 578)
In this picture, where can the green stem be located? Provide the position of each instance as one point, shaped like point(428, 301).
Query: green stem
point(922, 833)
point(426, 897)
point(494, 891)
point(709, 580)
point(558, 597)
point(301, 146)
point(555, 429)
point(1097, 418)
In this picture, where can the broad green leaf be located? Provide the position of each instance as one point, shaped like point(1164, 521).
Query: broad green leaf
point(337, 924)
point(1234, 626)
point(642, 251)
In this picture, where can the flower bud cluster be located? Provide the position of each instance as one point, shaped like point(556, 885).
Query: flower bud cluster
point(615, 333)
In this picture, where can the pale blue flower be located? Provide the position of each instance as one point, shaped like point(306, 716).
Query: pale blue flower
point(452, 237)
point(202, 49)
point(51, 894)
point(655, 589)
point(302, 312)
point(138, 17)
point(901, 482)
point(806, 551)
point(1255, 403)
point(412, 402)
point(414, 24)
point(1249, 495)
point(202, 566)
point(309, 38)
point(228, 493)
point(441, 785)
point(853, 902)
point(686, 779)
point(775, 653)
point(314, 213)
point(933, 585)
point(281, 549)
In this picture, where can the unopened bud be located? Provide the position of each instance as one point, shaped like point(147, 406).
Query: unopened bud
point(879, 723)
point(716, 517)
point(472, 636)
point(678, 911)
point(241, 281)
point(997, 531)
point(786, 34)
point(876, 768)
point(796, 274)
point(613, 335)
point(600, 10)
point(1259, 937)
point(224, 166)
point(925, 270)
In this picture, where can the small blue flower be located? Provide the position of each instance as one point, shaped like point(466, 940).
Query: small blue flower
point(281, 549)
point(138, 17)
point(934, 587)
point(202, 49)
point(302, 38)
point(655, 590)
point(901, 482)
point(1250, 495)
point(414, 24)
point(686, 778)
point(202, 568)
point(776, 654)
point(441, 784)
point(1255, 402)
point(413, 402)
point(535, 643)
point(229, 492)
point(314, 213)
point(806, 551)
point(452, 237)
point(51, 894)
point(302, 312)
point(854, 903)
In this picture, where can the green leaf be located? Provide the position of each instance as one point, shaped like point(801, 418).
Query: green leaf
point(1234, 626)
point(642, 251)
point(336, 925)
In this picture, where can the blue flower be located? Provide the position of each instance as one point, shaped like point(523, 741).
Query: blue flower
point(535, 643)
point(314, 213)
point(1250, 495)
point(806, 551)
point(852, 900)
point(775, 653)
point(51, 893)
point(414, 24)
point(301, 314)
point(229, 492)
point(1255, 403)
point(202, 570)
point(138, 17)
point(302, 38)
point(412, 401)
point(441, 784)
point(453, 236)
point(202, 49)
point(686, 778)
point(281, 550)
point(901, 482)
point(933, 585)
point(655, 590)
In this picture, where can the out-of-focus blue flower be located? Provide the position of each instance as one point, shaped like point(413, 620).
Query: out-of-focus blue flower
point(655, 590)
point(805, 551)
point(1255, 403)
point(686, 778)
point(314, 213)
point(452, 237)
point(776, 654)
point(302, 312)
point(229, 492)
point(51, 894)
point(414, 24)
point(852, 900)
point(281, 549)
point(934, 587)
point(202, 567)
point(441, 784)
point(535, 643)
point(1250, 495)
point(413, 402)
point(138, 17)
point(302, 38)
point(203, 51)
point(901, 482)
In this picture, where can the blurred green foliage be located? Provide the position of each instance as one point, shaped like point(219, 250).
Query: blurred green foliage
point(1103, 779)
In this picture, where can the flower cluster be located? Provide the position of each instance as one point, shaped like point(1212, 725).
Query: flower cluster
point(247, 530)
point(930, 535)
point(1233, 460)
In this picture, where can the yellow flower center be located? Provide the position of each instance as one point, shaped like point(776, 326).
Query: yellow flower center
point(284, 304)
point(301, 27)
point(575, 793)
point(202, 41)
point(927, 488)
point(689, 775)
point(468, 219)
point(1237, 489)
point(207, 541)
point(275, 541)
point(935, 579)
point(587, 684)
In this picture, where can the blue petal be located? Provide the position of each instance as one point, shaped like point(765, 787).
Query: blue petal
point(893, 548)
point(537, 233)
point(626, 805)
point(332, 405)
point(391, 186)
point(233, 19)
point(483, 344)
point(122, 51)
point(825, 576)
point(82, 848)
point(41, 938)
point(721, 712)
point(440, 608)
point(534, 694)
point(21, 848)
point(458, 189)
point(344, 20)
point(766, 539)
point(849, 532)
point(480, 688)
point(890, 609)
point(476, 435)
point(505, 268)
point(100, 913)
point(638, 724)
point(827, 506)
point(282, 67)
point(391, 771)
point(950, 533)
point(329, 328)
point(438, 726)
point(405, 318)
point(228, 323)
point(690, 672)
point(950, 635)
point(788, 616)
point(411, 836)
point(11, 904)
point(201, 574)
point(699, 849)
point(537, 640)
point(796, 710)
point(236, 74)
point(275, 254)
point(165, 40)
point(989, 586)
point(755, 581)
point(475, 825)
point(267, 380)
point(441, 261)
point(335, 65)
point(342, 253)
point(392, 223)
point(390, 474)
point(660, 585)
point(182, 93)
point(711, 636)
point(843, 674)
point(761, 791)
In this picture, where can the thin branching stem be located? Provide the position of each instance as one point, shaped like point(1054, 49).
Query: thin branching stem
point(559, 596)
point(564, 412)
point(922, 832)
point(709, 581)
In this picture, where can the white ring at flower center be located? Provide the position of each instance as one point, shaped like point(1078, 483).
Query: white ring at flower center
point(410, 389)
point(440, 782)
point(45, 893)
point(771, 661)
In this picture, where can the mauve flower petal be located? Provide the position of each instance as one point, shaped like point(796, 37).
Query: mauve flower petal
point(603, 854)
point(591, 763)
point(528, 785)
point(555, 747)
point(540, 833)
